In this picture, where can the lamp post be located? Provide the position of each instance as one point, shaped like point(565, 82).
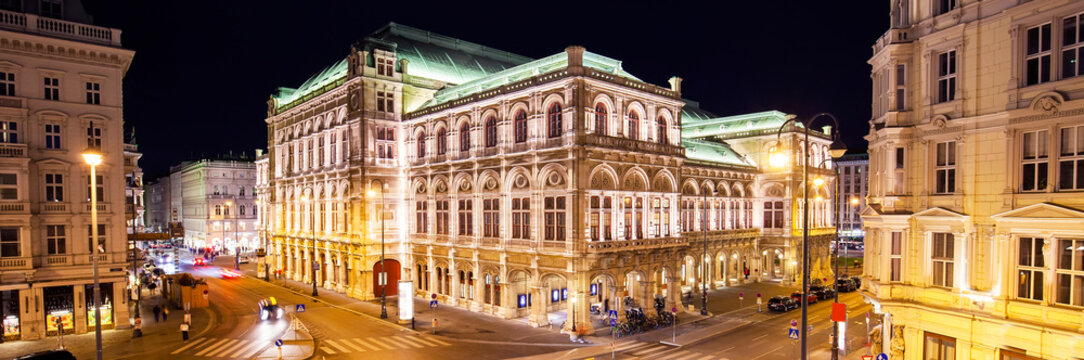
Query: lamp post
point(837, 149)
point(94, 158)
point(703, 260)
point(236, 242)
point(573, 314)
point(138, 331)
point(383, 271)
point(312, 255)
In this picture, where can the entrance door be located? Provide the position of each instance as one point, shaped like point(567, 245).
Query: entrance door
point(393, 278)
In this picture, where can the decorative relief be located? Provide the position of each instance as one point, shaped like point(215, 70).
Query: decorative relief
point(490, 184)
point(464, 186)
point(420, 189)
point(520, 182)
point(1048, 105)
point(555, 179)
point(442, 187)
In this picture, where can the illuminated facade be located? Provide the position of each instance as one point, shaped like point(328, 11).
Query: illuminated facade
point(853, 183)
point(975, 222)
point(512, 186)
point(216, 203)
point(133, 187)
point(60, 93)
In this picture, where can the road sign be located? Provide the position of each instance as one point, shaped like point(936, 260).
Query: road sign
point(794, 324)
point(839, 312)
point(882, 356)
point(434, 297)
point(613, 314)
point(300, 308)
point(867, 357)
point(741, 295)
point(278, 342)
point(673, 309)
point(613, 322)
point(793, 334)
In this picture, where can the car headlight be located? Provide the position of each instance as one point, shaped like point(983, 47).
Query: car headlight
point(263, 314)
point(279, 313)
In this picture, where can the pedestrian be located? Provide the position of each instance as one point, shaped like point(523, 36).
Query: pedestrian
point(157, 310)
point(187, 318)
point(746, 273)
point(184, 331)
point(165, 312)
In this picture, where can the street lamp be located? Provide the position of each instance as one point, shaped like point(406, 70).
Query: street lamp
point(312, 255)
point(704, 263)
point(94, 158)
point(383, 271)
point(573, 313)
point(836, 150)
point(236, 242)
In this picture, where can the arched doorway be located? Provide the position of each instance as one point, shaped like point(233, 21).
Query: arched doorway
point(392, 267)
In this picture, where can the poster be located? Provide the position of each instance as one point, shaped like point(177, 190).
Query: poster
point(64, 316)
point(406, 300)
point(11, 326)
point(107, 316)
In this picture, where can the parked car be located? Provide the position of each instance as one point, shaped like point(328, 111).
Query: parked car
point(845, 285)
point(797, 297)
point(857, 282)
point(269, 309)
point(244, 260)
point(822, 292)
point(59, 354)
point(782, 304)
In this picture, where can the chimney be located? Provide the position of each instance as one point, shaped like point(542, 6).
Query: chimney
point(575, 56)
point(827, 130)
point(403, 65)
point(675, 84)
point(259, 152)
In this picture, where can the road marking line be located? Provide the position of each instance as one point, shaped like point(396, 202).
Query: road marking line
point(674, 355)
point(351, 345)
point(247, 351)
point(759, 337)
point(423, 341)
point(652, 349)
point(711, 357)
point(224, 347)
point(364, 342)
point(395, 342)
point(727, 349)
point(630, 345)
point(413, 341)
point(403, 340)
point(193, 343)
point(383, 344)
point(329, 351)
point(769, 352)
point(226, 350)
point(438, 341)
point(692, 355)
point(336, 345)
point(204, 351)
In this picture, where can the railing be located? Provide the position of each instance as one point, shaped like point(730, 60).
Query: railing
point(635, 145)
point(555, 245)
point(12, 102)
point(58, 260)
point(13, 207)
point(490, 242)
point(464, 240)
point(618, 245)
point(54, 207)
point(521, 244)
point(60, 28)
point(101, 207)
point(14, 263)
point(892, 36)
point(13, 150)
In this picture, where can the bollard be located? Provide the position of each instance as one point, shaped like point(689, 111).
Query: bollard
point(434, 326)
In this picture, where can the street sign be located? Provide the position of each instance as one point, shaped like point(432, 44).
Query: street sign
point(867, 357)
point(882, 356)
point(793, 334)
point(278, 342)
point(794, 324)
point(434, 297)
point(300, 308)
point(839, 312)
point(613, 322)
point(741, 295)
point(613, 314)
point(673, 309)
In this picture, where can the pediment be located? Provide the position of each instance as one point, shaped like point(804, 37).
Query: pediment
point(52, 162)
point(870, 210)
point(1041, 211)
point(939, 212)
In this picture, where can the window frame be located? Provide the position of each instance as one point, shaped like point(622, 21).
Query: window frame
point(946, 78)
point(945, 167)
point(521, 126)
point(947, 260)
point(1040, 161)
point(1075, 158)
point(56, 239)
point(464, 137)
point(1043, 51)
point(94, 92)
point(1074, 272)
point(491, 131)
point(7, 244)
point(941, 340)
point(895, 256)
point(54, 187)
point(601, 119)
point(51, 88)
point(1034, 269)
point(53, 134)
point(9, 132)
point(7, 82)
point(554, 120)
point(521, 217)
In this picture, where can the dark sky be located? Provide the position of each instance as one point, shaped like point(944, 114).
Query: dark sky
point(203, 70)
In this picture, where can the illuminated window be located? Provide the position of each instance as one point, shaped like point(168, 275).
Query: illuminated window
point(943, 259)
point(554, 213)
point(554, 116)
point(521, 126)
point(491, 213)
point(466, 217)
point(491, 132)
point(521, 218)
point(634, 126)
point(1037, 58)
point(896, 256)
point(1070, 272)
point(218, 209)
point(1071, 159)
point(946, 167)
point(464, 137)
point(52, 88)
point(600, 119)
point(946, 76)
point(1029, 269)
point(939, 347)
point(1034, 163)
point(1072, 48)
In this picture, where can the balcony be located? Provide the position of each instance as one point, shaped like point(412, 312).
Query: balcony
point(54, 207)
point(634, 145)
point(14, 263)
point(102, 207)
point(35, 24)
point(12, 150)
point(14, 208)
point(637, 244)
point(58, 260)
point(892, 36)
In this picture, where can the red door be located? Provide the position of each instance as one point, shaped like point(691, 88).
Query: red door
point(393, 278)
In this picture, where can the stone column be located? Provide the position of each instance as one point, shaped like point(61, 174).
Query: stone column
point(80, 309)
point(478, 303)
point(617, 302)
point(539, 316)
point(647, 297)
point(508, 301)
point(453, 273)
point(673, 298)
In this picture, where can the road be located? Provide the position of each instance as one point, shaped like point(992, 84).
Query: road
point(763, 339)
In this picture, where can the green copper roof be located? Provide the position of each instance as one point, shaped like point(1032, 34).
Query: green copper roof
point(696, 127)
point(315, 85)
point(541, 66)
point(692, 112)
point(443, 58)
point(715, 152)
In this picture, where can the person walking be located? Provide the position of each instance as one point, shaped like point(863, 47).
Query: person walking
point(184, 331)
point(157, 311)
point(165, 312)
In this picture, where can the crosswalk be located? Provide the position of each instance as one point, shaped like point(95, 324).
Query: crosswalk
point(657, 351)
point(385, 343)
point(211, 347)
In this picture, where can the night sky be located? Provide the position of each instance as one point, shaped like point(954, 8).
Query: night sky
point(203, 71)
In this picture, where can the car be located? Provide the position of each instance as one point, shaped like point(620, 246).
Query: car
point(270, 309)
point(845, 285)
point(822, 292)
point(59, 354)
point(199, 262)
point(244, 260)
point(229, 273)
point(857, 282)
point(797, 297)
point(781, 304)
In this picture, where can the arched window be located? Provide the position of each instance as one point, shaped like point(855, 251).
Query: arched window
point(554, 117)
point(634, 126)
point(421, 144)
point(464, 137)
point(600, 119)
point(442, 141)
point(521, 126)
point(662, 137)
point(491, 132)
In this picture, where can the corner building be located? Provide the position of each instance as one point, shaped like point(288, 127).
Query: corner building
point(512, 186)
point(975, 223)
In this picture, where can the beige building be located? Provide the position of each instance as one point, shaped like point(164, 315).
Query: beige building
point(513, 186)
point(60, 93)
point(215, 200)
point(975, 223)
point(133, 187)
